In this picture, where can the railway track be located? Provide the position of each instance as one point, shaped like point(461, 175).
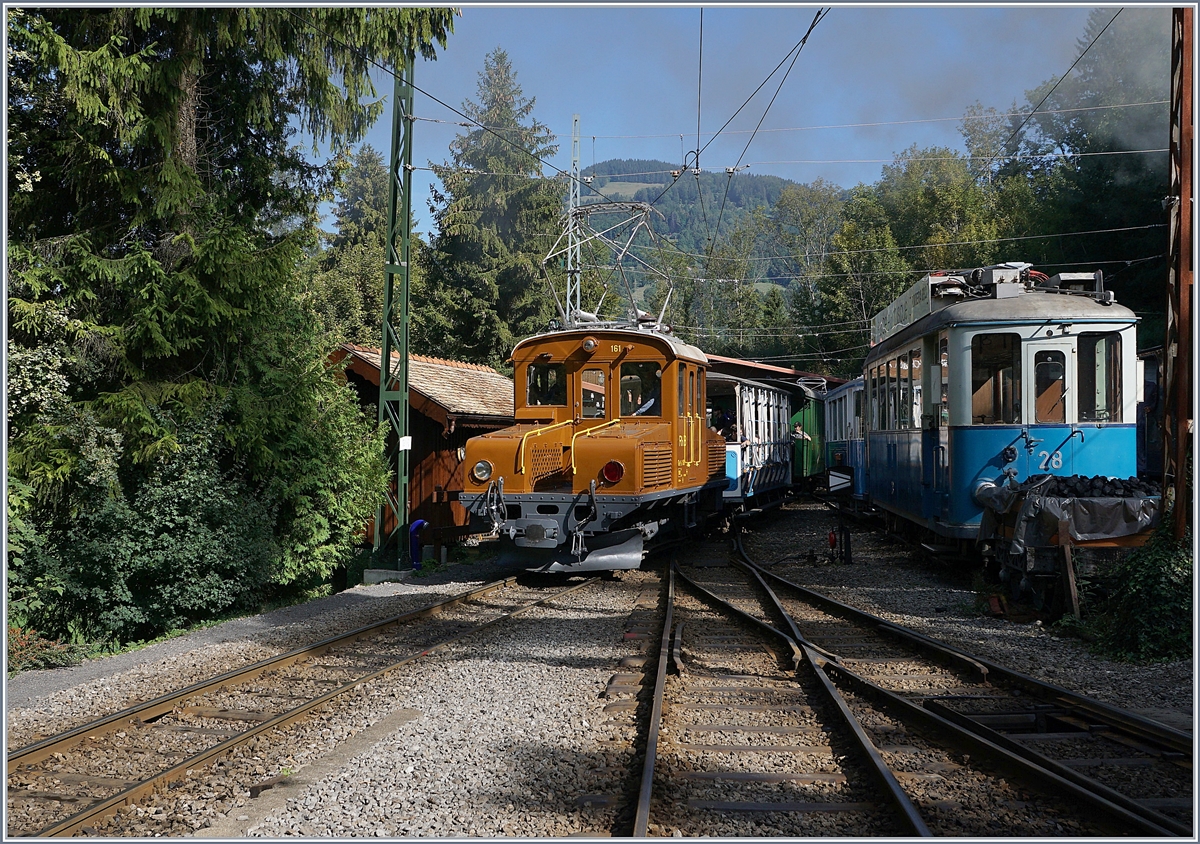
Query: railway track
point(865, 732)
point(69, 782)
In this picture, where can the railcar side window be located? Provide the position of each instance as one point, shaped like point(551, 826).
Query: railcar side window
point(546, 384)
point(995, 379)
point(944, 352)
point(1099, 377)
point(593, 393)
point(681, 369)
point(872, 401)
point(641, 389)
point(905, 408)
point(1050, 386)
point(891, 423)
point(914, 368)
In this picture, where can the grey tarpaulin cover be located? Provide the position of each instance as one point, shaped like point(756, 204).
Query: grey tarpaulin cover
point(1087, 518)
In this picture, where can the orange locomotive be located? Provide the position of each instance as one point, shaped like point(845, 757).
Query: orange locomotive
point(611, 449)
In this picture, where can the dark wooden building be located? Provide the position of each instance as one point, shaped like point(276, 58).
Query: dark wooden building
point(449, 402)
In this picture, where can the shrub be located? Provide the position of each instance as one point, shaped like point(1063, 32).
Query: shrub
point(27, 649)
point(171, 543)
point(1147, 614)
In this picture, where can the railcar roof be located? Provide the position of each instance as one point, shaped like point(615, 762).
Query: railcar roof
point(1033, 307)
point(721, 377)
point(842, 389)
point(678, 348)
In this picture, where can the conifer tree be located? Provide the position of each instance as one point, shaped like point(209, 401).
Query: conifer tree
point(160, 207)
point(496, 218)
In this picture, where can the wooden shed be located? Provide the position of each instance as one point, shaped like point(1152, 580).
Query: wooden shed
point(449, 402)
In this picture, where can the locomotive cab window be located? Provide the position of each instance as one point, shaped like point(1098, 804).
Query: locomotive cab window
point(592, 381)
point(1049, 379)
point(1099, 377)
point(995, 379)
point(641, 389)
point(546, 384)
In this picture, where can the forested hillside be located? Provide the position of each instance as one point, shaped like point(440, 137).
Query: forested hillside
point(689, 223)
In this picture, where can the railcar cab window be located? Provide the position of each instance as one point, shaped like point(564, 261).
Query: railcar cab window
point(1050, 386)
point(1099, 377)
point(995, 379)
point(546, 384)
point(641, 389)
point(592, 400)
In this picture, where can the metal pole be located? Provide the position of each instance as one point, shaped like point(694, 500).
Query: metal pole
point(393, 376)
point(573, 251)
point(1177, 350)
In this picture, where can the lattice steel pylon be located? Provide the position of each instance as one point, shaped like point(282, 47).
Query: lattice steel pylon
point(393, 380)
point(574, 262)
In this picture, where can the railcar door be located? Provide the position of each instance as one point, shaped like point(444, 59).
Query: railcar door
point(1051, 396)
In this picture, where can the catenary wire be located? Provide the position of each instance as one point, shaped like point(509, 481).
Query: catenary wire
point(821, 13)
point(867, 125)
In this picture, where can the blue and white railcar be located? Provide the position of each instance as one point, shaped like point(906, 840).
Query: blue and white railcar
point(753, 418)
point(980, 375)
point(845, 447)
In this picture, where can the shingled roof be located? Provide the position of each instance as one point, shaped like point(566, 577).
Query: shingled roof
point(461, 388)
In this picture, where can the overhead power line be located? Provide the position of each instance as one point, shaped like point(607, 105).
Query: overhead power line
point(866, 125)
point(955, 243)
point(821, 13)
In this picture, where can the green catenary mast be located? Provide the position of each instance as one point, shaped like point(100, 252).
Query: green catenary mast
point(393, 390)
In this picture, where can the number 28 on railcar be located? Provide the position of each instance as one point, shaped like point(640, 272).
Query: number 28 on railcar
point(1001, 372)
point(610, 446)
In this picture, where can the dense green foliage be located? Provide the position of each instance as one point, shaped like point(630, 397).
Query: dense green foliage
point(1146, 612)
point(177, 444)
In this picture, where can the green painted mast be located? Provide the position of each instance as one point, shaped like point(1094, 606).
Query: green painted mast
point(393, 391)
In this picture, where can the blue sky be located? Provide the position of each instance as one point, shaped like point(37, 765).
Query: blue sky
point(631, 74)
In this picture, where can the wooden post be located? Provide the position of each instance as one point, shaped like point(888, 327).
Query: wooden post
point(1064, 539)
point(1177, 350)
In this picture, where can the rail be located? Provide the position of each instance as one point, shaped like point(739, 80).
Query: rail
point(147, 712)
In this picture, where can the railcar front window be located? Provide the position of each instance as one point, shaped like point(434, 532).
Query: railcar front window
point(1099, 377)
point(593, 393)
point(641, 389)
point(1050, 386)
point(546, 384)
point(995, 379)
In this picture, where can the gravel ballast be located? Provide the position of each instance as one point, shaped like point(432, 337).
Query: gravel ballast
point(506, 733)
point(884, 579)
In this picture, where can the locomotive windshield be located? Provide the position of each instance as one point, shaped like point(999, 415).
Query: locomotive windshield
point(547, 384)
point(641, 389)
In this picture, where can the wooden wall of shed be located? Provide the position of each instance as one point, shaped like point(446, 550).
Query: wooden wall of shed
point(435, 473)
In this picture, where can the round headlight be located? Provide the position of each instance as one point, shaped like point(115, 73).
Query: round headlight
point(612, 472)
point(481, 471)
point(589, 345)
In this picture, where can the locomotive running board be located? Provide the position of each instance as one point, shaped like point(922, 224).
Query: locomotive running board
point(625, 555)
